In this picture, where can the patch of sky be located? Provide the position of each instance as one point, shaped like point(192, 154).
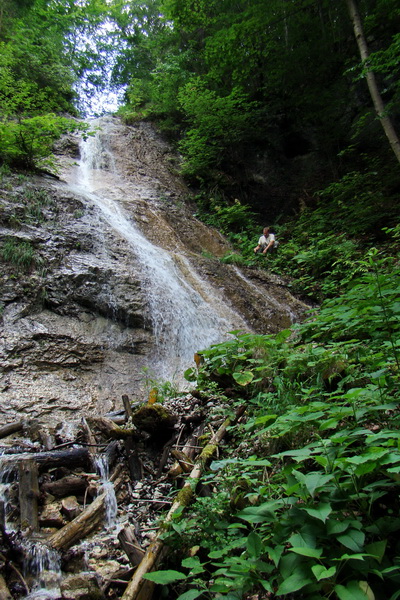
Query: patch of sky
point(97, 93)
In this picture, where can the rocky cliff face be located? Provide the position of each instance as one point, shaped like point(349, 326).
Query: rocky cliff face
point(82, 315)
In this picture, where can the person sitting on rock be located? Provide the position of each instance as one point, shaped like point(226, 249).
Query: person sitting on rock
point(267, 242)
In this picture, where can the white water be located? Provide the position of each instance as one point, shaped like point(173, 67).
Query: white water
point(184, 313)
point(6, 475)
point(107, 487)
point(43, 563)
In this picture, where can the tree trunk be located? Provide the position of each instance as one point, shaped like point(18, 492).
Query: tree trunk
point(91, 518)
point(76, 457)
point(11, 428)
point(4, 591)
point(28, 494)
point(371, 80)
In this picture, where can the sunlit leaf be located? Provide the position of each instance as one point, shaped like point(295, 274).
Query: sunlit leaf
point(243, 377)
point(164, 577)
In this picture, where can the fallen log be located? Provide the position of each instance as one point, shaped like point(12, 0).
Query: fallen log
point(156, 549)
point(130, 545)
point(4, 591)
point(134, 463)
point(75, 457)
point(66, 486)
point(91, 518)
point(11, 428)
point(127, 407)
point(185, 463)
point(111, 429)
point(28, 494)
point(189, 451)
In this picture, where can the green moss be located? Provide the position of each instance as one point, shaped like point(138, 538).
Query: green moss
point(185, 496)
point(203, 439)
point(207, 452)
point(153, 418)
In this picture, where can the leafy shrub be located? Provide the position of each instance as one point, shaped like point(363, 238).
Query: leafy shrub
point(317, 518)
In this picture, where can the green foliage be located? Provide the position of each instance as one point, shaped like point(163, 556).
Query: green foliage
point(29, 141)
point(318, 517)
point(218, 123)
point(20, 254)
point(158, 389)
point(30, 207)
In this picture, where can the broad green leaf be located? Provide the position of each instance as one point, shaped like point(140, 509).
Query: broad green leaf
point(275, 553)
point(351, 591)
point(193, 563)
point(254, 544)
point(307, 551)
point(333, 527)
point(302, 540)
point(353, 539)
point(366, 588)
point(321, 512)
point(264, 419)
point(165, 577)
point(295, 582)
point(190, 595)
point(377, 549)
point(266, 585)
point(263, 513)
point(243, 377)
point(313, 480)
point(356, 556)
point(190, 374)
point(298, 455)
point(322, 572)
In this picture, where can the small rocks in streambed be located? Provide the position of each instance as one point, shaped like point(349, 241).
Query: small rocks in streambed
point(84, 586)
point(51, 516)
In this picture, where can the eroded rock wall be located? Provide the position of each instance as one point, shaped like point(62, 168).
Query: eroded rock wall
point(75, 330)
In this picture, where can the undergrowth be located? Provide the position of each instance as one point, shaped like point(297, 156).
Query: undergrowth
point(305, 500)
point(321, 249)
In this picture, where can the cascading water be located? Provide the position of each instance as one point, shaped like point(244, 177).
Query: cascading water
point(107, 488)
point(42, 563)
point(6, 475)
point(183, 311)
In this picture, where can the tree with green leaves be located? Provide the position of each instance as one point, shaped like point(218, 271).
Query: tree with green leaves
point(379, 106)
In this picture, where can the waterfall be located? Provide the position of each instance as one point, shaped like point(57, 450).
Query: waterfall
point(43, 563)
point(184, 313)
point(7, 475)
point(107, 488)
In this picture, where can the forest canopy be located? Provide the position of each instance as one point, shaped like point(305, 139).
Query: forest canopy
point(268, 103)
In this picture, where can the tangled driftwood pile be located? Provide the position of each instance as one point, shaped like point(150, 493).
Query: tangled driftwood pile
point(57, 499)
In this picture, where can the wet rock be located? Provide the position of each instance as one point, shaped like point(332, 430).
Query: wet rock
point(84, 586)
point(76, 329)
point(51, 516)
point(70, 507)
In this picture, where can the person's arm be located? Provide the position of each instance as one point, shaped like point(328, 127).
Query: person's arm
point(256, 249)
